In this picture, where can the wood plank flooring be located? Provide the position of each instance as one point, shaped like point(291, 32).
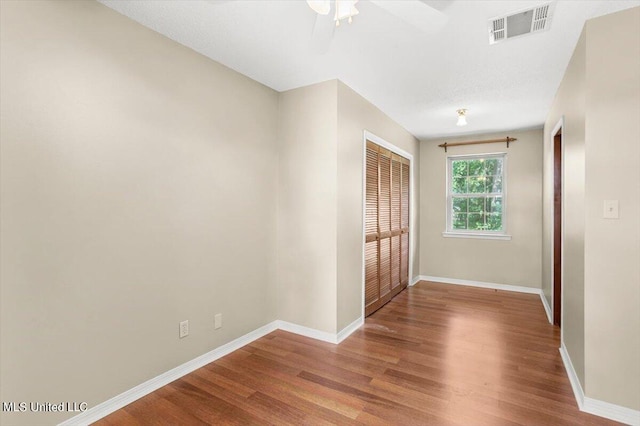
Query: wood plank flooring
point(437, 354)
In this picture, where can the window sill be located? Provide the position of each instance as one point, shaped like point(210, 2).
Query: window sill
point(474, 235)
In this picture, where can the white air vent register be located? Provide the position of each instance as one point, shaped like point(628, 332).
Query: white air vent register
point(527, 21)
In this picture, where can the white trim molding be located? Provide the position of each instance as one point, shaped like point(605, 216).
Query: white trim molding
point(495, 286)
point(573, 377)
point(505, 287)
point(346, 332)
point(104, 409)
point(559, 126)
point(388, 145)
point(476, 235)
point(611, 411)
point(547, 309)
point(324, 336)
point(595, 406)
point(119, 401)
point(415, 280)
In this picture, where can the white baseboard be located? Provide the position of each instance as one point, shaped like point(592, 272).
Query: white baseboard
point(495, 286)
point(547, 309)
point(578, 393)
point(419, 278)
point(505, 287)
point(611, 411)
point(596, 406)
point(104, 409)
point(325, 336)
point(346, 332)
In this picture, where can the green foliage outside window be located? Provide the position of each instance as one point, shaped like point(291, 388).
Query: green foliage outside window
point(476, 188)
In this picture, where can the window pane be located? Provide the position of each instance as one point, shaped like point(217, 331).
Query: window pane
point(491, 166)
point(459, 221)
point(475, 185)
point(476, 167)
point(494, 184)
point(494, 205)
point(500, 167)
point(476, 221)
point(459, 185)
point(460, 168)
point(476, 205)
point(460, 205)
point(494, 221)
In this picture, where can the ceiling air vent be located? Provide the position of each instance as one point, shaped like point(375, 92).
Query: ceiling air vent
point(520, 23)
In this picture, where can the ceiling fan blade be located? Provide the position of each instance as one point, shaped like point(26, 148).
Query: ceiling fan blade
point(322, 34)
point(322, 7)
point(415, 13)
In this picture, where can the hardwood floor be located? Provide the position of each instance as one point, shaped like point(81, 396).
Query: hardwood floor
point(436, 354)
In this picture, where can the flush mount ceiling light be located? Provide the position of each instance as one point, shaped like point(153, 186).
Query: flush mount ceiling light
point(344, 9)
point(462, 117)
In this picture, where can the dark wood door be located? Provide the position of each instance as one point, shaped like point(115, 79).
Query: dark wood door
point(386, 226)
point(557, 228)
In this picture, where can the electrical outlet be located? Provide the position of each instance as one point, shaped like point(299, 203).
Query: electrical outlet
point(184, 329)
point(217, 321)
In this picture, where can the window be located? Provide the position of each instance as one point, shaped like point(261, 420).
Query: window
point(476, 196)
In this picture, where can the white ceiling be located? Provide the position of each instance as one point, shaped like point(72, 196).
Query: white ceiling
point(418, 78)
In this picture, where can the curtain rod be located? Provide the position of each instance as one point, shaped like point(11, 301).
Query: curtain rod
point(508, 140)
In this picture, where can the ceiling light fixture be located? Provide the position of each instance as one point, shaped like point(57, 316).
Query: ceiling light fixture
point(344, 9)
point(462, 117)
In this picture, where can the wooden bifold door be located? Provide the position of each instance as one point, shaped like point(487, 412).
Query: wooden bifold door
point(386, 226)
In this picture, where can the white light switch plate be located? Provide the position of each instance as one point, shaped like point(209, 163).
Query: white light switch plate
point(610, 209)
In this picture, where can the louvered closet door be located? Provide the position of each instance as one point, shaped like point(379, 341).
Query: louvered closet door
point(396, 229)
point(372, 283)
point(386, 226)
point(404, 224)
point(384, 221)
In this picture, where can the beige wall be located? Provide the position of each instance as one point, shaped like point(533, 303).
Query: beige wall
point(137, 186)
point(612, 247)
point(600, 100)
point(355, 114)
point(307, 259)
point(570, 103)
point(320, 202)
point(514, 262)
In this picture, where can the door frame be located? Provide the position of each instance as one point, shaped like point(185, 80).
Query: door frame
point(368, 136)
point(558, 127)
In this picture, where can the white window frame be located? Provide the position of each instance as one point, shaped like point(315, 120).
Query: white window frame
point(485, 234)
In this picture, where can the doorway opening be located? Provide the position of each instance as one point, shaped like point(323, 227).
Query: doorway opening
point(557, 227)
